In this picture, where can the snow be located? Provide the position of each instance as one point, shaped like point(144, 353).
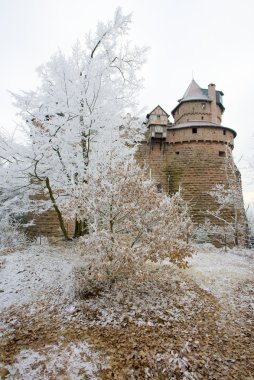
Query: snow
point(35, 272)
point(221, 272)
point(77, 360)
point(228, 276)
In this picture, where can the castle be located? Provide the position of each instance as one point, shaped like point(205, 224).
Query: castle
point(195, 152)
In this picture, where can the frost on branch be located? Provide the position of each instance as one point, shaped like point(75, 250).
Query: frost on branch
point(129, 222)
point(11, 234)
point(78, 113)
point(227, 218)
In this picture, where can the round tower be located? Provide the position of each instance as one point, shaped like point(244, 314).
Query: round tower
point(195, 152)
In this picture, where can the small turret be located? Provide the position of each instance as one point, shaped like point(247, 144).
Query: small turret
point(157, 123)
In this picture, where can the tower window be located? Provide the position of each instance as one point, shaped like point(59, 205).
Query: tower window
point(222, 154)
point(202, 117)
point(224, 132)
point(203, 106)
point(194, 130)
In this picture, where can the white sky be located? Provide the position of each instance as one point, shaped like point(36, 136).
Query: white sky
point(213, 40)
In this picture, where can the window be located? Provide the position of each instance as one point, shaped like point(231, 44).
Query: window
point(194, 130)
point(177, 152)
point(222, 154)
point(158, 116)
point(202, 117)
point(224, 132)
point(158, 135)
point(203, 106)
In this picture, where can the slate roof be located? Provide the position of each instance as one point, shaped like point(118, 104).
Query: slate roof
point(194, 92)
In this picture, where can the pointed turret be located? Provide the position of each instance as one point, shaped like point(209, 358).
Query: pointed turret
point(199, 105)
point(194, 92)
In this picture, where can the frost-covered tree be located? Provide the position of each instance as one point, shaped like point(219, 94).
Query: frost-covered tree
point(129, 221)
point(78, 113)
point(230, 226)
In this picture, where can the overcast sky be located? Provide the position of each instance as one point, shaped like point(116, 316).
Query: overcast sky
point(211, 40)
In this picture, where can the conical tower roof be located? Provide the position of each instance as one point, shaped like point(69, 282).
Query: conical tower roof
point(194, 92)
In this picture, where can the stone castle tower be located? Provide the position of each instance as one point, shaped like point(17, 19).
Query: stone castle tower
point(194, 152)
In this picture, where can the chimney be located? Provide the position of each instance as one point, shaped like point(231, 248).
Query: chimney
point(212, 96)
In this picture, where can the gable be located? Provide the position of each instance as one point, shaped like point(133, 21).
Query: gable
point(159, 111)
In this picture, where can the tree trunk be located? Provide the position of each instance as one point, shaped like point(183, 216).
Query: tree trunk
point(81, 228)
point(58, 212)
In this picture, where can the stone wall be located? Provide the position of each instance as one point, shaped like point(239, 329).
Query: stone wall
point(154, 157)
point(47, 224)
point(195, 166)
point(197, 110)
point(217, 135)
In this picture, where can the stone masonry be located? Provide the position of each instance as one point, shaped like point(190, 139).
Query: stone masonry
point(194, 153)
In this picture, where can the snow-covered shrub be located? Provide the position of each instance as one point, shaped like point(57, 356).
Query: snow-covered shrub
point(11, 234)
point(201, 233)
point(129, 222)
point(210, 232)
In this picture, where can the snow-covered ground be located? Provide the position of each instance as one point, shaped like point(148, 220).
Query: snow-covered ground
point(229, 276)
point(32, 277)
point(32, 273)
point(221, 272)
point(29, 274)
point(77, 359)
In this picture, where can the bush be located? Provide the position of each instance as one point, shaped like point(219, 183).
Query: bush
point(129, 222)
point(11, 234)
